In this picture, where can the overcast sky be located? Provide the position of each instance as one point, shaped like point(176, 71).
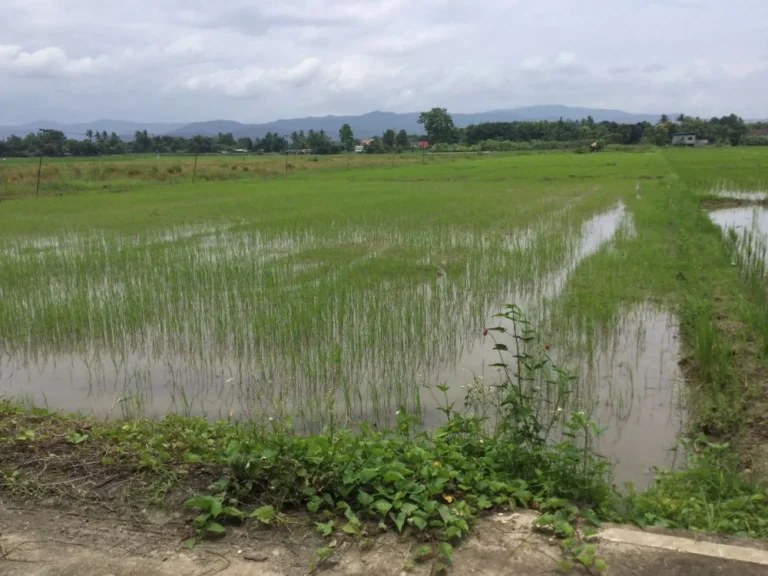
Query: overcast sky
point(253, 61)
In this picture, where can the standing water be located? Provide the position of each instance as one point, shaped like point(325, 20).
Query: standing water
point(232, 322)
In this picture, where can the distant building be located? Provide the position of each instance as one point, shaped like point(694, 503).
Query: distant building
point(242, 150)
point(688, 139)
point(365, 141)
point(422, 144)
point(359, 148)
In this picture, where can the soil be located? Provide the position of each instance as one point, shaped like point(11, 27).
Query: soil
point(44, 541)
point(718, 203)
point(64, 512)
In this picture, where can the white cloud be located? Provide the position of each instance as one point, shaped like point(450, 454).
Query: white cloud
point(565, 59)
point(252, 80)
point(202, 59)
point(393, 44)
point(533, 63)
point(50, 61)
point(7, 52)
point(186, 45)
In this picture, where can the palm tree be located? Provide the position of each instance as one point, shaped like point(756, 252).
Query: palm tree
point(89, 135)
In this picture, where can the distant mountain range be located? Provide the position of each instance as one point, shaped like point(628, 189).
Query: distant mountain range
point(365, 125)
point(77, 130)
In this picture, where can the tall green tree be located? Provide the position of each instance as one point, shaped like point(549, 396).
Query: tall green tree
point(401, 140)
point(141, 141)
point(439, 126)
point(388, 139)
point(245, 143)
point(298, 140)
point(346, 137)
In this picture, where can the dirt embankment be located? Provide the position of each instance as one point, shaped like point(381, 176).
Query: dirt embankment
point(91, 541)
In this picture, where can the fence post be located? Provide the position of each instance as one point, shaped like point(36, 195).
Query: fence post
point(194, 168)
point(39, 170)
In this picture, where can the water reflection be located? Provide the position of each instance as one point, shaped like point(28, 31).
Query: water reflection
point(332, 340)
point(742, 219)
point(629, 381)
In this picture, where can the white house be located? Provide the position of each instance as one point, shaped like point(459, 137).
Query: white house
point(688, 139)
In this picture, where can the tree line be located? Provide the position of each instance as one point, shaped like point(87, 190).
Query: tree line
point(439, 131)
point(730, 130)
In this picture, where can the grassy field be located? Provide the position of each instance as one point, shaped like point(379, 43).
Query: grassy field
point(353, 292)
point(18, 176)
point(360, 304)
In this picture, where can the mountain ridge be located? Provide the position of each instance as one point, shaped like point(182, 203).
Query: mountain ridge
point(363, 125)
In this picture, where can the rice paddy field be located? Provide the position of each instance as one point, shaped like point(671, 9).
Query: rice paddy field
point(345, 289)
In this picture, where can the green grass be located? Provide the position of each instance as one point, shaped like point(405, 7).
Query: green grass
point(353, 281)
point(261, 293)
point(119, 174)
point(337, 302)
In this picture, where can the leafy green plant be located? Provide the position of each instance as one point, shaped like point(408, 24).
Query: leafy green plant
point(211, 510)
point(264, 514)
point(572, 526)
point(709, 494)
point(75, 437)
point(408, 480)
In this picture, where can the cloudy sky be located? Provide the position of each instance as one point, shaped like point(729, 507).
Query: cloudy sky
point(252, 61)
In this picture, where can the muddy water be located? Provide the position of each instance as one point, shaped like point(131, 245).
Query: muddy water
point(629, 382)
point(639, 388)
point(743, 219)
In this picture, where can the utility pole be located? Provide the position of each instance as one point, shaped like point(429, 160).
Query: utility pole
point(194, 168)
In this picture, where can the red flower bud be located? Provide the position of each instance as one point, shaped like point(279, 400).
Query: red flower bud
point(485, 331)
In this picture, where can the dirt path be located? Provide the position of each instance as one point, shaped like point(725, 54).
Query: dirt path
point(47, 542)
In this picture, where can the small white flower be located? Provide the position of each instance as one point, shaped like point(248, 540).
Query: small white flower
point(228, 380)
point(271, 419)
point(397, 413)
point(559, 409)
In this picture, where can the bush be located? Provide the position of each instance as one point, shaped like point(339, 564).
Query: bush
point(710, 494)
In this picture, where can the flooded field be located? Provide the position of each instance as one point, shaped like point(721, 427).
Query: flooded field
point(747, 228)
point(743, 218)
point(353, 310)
